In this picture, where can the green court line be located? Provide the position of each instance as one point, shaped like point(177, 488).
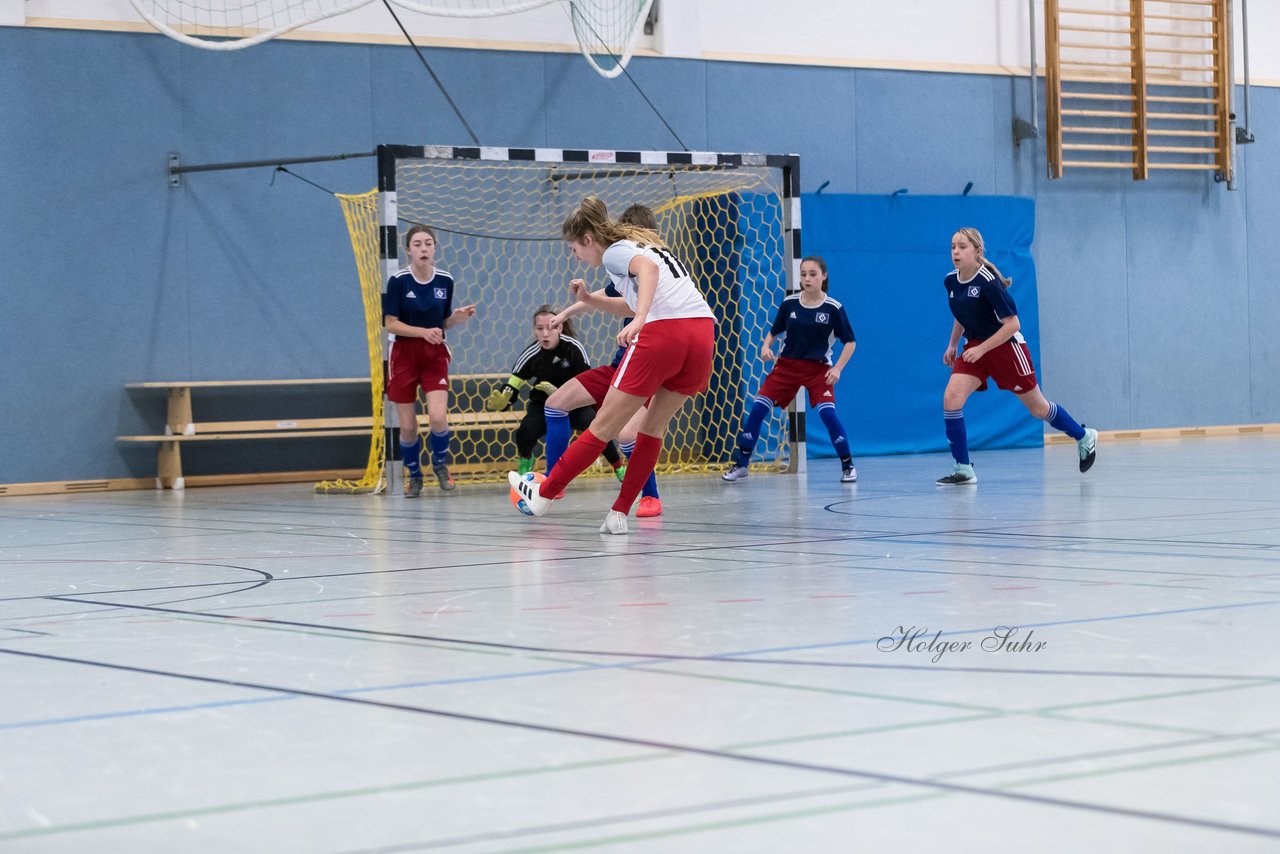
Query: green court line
point(1203, 733)
point(723, 825)
point(1138, 766)
point(860, 805)
point(822, 690)
point(296, 800)
point(1189, 692)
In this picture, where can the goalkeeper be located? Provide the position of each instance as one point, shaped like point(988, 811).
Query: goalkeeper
point(554, 358)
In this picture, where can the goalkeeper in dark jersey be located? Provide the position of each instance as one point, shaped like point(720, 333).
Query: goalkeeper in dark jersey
point(554, 358)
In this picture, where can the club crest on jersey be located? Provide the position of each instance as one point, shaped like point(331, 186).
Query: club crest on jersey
point(974, 291)
point(823, 317)
point(441, 293)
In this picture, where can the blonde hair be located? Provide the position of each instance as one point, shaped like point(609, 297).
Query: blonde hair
point(592, 217)
point(975, 237)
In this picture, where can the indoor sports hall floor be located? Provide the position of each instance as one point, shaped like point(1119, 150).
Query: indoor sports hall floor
point(264, 669)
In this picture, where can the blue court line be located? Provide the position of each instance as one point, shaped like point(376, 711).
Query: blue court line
point(497, 677)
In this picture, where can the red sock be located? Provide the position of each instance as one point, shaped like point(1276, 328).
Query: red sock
point(643, 459)
point(573, 462)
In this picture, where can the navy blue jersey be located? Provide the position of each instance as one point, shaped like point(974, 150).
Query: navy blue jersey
point(423, 304)
point(557, 366)
point(979, 304)
point(811, 332)
point(621, 352)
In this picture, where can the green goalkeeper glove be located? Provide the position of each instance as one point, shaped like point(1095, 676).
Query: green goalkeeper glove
point(545, 387)
point(500, 400)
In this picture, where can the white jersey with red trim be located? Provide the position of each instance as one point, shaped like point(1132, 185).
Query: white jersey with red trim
point(676, 297)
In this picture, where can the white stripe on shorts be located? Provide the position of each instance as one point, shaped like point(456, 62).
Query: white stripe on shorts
point(1024, 364)
point(622, 368)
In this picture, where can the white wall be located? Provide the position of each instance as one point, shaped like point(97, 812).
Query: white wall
point(978, 35)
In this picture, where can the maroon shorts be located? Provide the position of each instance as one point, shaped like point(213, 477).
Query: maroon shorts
point(596, 381)
point(790, 375)
point(414, 362)
point(673, 354)
point(1009, 365)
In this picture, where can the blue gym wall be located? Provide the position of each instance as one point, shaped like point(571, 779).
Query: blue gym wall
point(1158, 303)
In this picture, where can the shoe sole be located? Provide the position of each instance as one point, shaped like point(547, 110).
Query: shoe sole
point(1087, 462)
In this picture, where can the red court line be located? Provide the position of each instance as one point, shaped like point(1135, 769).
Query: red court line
point(731, 601)
point(642, 604)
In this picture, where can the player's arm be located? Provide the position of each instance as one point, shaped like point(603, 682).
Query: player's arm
point(400, 329)
point(846, 353)
point(1009, 327)
point(461, 314)
point(844, 331)
point(646, 276)
point(766, 348)
point(949, 355)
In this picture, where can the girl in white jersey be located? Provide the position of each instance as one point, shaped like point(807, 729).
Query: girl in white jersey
point(670, 343)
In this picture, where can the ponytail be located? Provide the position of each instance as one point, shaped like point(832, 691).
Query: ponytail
point(975, 237)
point(591, 217)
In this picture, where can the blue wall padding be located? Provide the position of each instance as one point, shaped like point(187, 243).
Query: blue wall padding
point(887, 256)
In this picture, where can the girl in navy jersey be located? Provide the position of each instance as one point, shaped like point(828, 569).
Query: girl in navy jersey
point(552, 360)
point(589, 388)
point(417, 308)
point(994, 348)
point(812, 322)
point(670, 342)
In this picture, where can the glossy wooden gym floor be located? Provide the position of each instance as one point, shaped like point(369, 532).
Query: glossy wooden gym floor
point(264, 669)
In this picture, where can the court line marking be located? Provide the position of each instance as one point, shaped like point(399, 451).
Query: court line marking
point(692, 750)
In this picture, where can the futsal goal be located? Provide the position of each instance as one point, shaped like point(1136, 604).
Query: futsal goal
point(734, 219)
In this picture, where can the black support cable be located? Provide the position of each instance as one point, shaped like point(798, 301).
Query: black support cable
point(427, 66)
point(583, 18)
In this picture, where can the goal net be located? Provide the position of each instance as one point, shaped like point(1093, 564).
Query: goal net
point(606, 30)
point(497, 213)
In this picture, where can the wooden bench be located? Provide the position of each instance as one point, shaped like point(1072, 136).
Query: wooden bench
point(181, 426)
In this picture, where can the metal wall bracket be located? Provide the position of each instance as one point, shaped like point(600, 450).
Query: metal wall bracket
point(175, 178)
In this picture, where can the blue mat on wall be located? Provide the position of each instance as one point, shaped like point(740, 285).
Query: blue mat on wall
point(887, 256)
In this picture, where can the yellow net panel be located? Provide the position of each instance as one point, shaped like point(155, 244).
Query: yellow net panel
point(361, 213)
point(498, 229)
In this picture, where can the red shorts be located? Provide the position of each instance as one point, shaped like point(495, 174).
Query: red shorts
point(415, 362)
point(789, 375)
point(596, 381)
point(673, 354)
point(1009, 365)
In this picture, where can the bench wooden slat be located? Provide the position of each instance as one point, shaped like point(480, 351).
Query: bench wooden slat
point(251, 383)
point(181, 427)
point(223, 437)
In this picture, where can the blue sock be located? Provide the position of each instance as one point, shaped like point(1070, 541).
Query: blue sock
point(1060, 419)
point(750, 432)
point(650, 487)
point(827, 412)
point(440, 448)
point(411, 454)
point(956, 436)
point(557, 439)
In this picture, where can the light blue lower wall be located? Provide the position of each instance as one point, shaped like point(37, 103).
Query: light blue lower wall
point(1157, 301)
